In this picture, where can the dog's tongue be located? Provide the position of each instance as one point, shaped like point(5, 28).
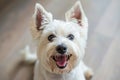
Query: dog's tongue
point(61, 60)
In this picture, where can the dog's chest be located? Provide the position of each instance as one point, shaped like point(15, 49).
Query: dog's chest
point(65, 77)
point(76, 74)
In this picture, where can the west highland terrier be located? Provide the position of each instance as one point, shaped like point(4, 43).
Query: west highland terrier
point(60, 45)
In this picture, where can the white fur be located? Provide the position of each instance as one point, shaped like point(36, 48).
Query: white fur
point(75, 74)
point(28, 56)
point(45, 68)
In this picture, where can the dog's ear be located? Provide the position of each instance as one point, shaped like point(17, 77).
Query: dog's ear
point(41, 19)
point(41, 16)
point(76, 14)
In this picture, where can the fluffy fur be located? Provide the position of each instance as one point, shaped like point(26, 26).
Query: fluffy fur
point(43, 26)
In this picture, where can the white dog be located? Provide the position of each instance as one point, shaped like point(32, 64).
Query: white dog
point(60, 45)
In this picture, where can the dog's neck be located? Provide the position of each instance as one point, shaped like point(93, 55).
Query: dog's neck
point(42, 74)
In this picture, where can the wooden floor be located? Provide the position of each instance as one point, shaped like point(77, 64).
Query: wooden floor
point(103, 49)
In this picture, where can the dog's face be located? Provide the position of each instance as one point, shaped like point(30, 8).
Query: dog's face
point(61, 44)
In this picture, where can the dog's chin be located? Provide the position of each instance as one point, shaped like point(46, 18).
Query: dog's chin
point(61, 61)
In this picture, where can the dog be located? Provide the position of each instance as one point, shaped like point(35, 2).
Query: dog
point(60, 45)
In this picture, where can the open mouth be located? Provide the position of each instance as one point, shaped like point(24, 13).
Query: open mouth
point(61, 60)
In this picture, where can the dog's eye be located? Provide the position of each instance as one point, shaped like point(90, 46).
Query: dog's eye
point(70, 36)
point(50, 37)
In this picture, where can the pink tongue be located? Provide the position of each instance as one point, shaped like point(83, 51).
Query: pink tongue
point(61, 60)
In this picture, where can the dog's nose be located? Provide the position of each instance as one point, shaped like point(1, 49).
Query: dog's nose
point(61, 48)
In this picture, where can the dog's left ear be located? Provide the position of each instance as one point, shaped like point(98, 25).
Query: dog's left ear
point(76, 14)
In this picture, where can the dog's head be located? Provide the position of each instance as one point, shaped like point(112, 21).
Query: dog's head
point(60, 44)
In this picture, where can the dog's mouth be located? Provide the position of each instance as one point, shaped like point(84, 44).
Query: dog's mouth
point(61, 60)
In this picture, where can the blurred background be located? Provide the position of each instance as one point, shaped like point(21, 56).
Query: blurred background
point(103, 48)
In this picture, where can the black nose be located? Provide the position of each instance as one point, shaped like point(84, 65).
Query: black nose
point(61, 48)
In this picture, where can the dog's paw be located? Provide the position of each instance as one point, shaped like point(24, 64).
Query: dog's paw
point(28, 57)
point(89, 74)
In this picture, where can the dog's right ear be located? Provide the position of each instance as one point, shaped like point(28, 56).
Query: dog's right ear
point(41, 19)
